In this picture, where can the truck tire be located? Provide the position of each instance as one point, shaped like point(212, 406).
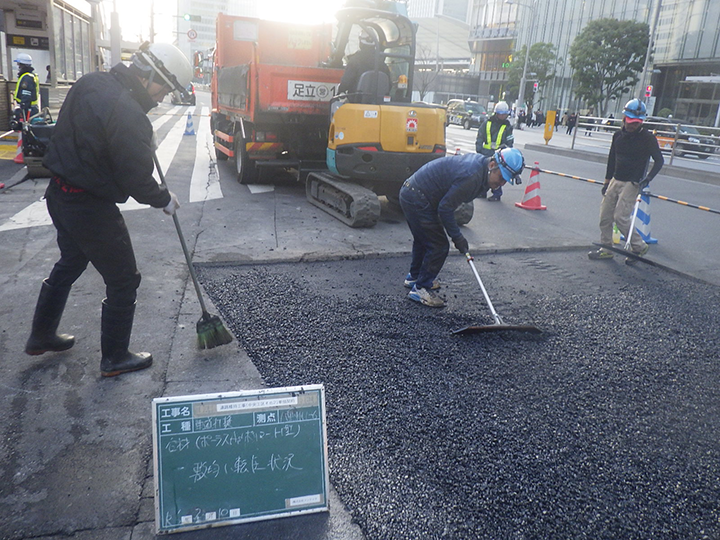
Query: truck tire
point(247, 172)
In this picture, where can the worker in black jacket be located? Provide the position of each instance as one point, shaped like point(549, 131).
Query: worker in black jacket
point(495, 132)
point(101, 153)
point(630, 152)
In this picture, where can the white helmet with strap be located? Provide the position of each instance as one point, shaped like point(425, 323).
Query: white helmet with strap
point(24, 58)
point(167, 61)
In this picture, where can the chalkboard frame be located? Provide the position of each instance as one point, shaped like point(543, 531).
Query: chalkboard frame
point(310, 399)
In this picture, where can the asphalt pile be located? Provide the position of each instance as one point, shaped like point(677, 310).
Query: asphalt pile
point(604, 426)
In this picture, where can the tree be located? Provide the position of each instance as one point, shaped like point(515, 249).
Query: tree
point(607, 56)
point(425, 76)
point(541, 64)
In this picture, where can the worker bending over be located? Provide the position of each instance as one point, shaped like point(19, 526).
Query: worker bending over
point(429, 199)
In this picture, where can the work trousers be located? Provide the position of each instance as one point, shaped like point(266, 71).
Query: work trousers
point(90, 229)
point(617, 206)
point(430, 243)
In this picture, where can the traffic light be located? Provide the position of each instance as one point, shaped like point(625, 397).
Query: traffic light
point(648, 90)
point(535, 87)
point(195, 18)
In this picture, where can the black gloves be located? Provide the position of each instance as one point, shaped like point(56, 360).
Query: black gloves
point(644, 183)
point(461, 244)
point(604, 188)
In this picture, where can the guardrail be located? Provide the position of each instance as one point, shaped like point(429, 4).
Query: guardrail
point(674, 137)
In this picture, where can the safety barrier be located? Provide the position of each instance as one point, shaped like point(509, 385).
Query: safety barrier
point(661, 197)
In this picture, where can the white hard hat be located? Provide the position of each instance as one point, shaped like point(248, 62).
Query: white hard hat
point(167, 61)
point(24, 58)
point(501, 107)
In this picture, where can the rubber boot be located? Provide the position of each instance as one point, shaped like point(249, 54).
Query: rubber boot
point(116, 327)
point(49, 310)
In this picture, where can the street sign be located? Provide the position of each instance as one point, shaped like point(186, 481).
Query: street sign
point(239, 456)
point(192, 34)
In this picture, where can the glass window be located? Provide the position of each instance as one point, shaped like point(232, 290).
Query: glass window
point(78, 47)
point(60, 71)
point(68, 42)
point(87, 65)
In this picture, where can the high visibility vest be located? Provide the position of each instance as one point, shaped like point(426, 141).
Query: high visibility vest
point(488, 144)
point(36, 83)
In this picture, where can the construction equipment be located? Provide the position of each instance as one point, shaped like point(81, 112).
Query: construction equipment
point(276, 105)
point(499, 324)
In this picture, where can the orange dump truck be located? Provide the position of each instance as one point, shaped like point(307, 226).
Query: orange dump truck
point(270, 95)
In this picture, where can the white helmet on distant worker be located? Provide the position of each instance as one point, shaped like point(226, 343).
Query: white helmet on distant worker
point(167, 61)
point(501, 107)
point(24, 58)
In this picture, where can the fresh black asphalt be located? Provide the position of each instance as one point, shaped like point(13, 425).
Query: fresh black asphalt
point(603, 427)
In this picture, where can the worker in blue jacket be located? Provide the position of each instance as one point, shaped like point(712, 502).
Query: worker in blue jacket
point(429, 199)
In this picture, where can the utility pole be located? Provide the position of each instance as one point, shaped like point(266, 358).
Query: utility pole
point(152, 21)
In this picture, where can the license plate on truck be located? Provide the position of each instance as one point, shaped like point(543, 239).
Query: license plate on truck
point(310, 91)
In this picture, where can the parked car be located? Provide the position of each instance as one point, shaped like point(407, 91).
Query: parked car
point(689, 140)
point(188, 97)
point(467, 114)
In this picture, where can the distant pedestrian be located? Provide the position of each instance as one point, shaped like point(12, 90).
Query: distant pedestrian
point(571, 121)
point(429, 199)
point(100, 154)
point(630, 152)
point(589, 126)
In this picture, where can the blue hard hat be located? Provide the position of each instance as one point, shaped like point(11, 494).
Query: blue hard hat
point(511, 163)
point(635, 109)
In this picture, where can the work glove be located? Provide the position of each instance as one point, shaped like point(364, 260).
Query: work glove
point(604, 188)
point(173, 205)
point(645, 182)
point(461, 244)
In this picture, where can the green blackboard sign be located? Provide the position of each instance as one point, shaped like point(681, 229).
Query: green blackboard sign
point(236, 457)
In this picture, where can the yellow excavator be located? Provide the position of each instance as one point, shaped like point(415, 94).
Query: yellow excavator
point(377, 136)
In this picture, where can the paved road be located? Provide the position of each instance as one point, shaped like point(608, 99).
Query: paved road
point(76, 451)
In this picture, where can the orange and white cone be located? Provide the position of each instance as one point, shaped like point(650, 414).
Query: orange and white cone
point(531, 199)
point(19, 154)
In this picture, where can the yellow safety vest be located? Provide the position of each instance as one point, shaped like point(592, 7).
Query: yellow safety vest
point(488, 144)
point(36, 81)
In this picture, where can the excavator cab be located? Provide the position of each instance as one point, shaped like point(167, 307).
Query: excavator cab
point(377, 137)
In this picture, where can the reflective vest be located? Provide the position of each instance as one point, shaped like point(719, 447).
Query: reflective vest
point(36, 85)
point(488, 144)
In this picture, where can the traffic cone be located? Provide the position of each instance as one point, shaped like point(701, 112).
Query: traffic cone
point(19, 154)
point(531, 200)
point(189, 128)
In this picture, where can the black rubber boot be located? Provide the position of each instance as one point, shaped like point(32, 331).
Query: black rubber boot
point(116, 328)
point(49, 310)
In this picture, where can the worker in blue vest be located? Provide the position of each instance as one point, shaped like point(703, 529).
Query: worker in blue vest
point(495, 133)
point(27, 88)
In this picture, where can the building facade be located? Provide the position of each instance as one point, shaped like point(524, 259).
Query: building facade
point(686, 44)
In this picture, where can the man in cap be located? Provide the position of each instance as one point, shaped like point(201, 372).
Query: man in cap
point(101, 153)
point(495, 132)
point(429, 199)
point(630, 152)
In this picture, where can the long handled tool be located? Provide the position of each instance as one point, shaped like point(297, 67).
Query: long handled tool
point(210, 330)
point(499, 324)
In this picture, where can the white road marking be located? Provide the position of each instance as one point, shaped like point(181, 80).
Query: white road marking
point(205, 182)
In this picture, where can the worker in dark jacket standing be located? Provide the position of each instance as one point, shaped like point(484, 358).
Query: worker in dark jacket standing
point(495, 133)
point(630, 152)
point(429, 199)
point(101, 153)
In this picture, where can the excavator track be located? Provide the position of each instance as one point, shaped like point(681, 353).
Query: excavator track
point(352, 204)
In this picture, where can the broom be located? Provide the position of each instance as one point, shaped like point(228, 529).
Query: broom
point(210, 330)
